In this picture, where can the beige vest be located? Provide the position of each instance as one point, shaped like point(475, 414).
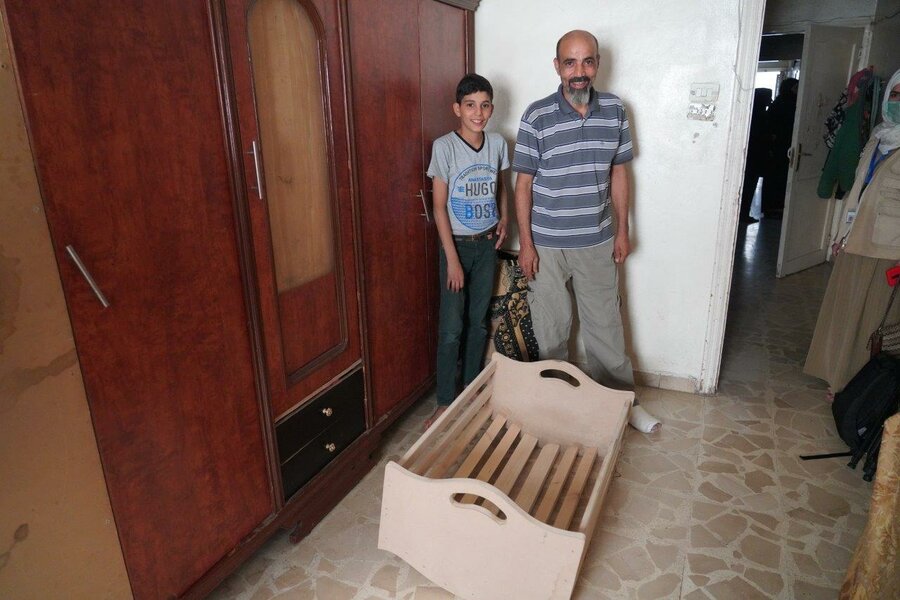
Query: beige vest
point(876, 230)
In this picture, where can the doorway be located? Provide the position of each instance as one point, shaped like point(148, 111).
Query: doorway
point(770, 135)
point(822, 59)
point(787, 151)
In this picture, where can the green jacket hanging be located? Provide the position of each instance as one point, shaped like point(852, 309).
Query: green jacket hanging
point(840, 166)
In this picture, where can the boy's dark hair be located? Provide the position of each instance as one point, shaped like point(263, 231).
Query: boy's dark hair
point(471, 84)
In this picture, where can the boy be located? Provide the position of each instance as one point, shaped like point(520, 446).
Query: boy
point(470, 214)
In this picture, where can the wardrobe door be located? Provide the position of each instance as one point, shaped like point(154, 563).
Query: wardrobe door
point(124, 118)
point(443, 41)
point(384, 54)
point(287, 65)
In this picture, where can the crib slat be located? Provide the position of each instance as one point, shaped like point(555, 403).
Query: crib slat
point(452, 455)
point(556, 482)
point(573, 493)
point(515, 464)
point(536, 477)
point(510, 473)
point(438, 430)
point(481, 447)
point(493, 461)
point(452, 433)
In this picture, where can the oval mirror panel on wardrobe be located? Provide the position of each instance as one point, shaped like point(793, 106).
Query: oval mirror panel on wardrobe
point(296, 180)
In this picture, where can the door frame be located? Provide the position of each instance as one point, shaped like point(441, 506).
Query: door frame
point(745, 64)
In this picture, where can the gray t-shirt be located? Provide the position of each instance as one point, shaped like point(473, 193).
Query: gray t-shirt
point(471, 176)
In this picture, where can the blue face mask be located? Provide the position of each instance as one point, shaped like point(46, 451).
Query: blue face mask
point(892, 111)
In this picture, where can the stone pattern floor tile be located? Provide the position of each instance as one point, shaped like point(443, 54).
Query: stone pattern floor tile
point(717, 505)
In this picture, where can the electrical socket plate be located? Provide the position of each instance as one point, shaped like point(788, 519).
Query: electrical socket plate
point(704, 93)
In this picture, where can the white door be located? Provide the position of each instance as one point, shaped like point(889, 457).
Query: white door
point(830, 57)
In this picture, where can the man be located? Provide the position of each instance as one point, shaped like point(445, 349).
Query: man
point(571, 177)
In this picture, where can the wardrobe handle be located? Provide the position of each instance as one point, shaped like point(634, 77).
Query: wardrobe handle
point(425, 214)
point(254, 151)
point(87, 275)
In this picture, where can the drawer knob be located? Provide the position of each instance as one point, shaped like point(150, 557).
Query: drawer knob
point(328, 411)
point(330, 447)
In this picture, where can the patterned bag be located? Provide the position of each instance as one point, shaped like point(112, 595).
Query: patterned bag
point(511, 328)
point(889, 339)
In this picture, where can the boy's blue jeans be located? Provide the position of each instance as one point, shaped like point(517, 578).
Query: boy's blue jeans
point(462, 312)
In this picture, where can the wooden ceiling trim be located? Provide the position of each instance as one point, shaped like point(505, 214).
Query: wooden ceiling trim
point(465, 4)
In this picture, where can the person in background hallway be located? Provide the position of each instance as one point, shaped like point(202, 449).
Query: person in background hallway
point(866, 246)
point(756, 151)
point(570, 158)
point(780, 124)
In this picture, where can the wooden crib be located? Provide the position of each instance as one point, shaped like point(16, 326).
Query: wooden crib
point(500, 497)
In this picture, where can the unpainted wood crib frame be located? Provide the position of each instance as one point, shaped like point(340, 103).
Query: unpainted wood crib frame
point(500, 497)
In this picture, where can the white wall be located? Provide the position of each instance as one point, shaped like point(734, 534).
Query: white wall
point(882, 15)
point(885, 51)
point(684, 206)
point(795, 15)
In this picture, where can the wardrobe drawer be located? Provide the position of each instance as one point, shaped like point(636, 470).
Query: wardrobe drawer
point(345, 400)
point(303, 466)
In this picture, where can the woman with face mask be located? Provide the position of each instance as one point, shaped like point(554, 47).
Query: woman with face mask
point(866, 245)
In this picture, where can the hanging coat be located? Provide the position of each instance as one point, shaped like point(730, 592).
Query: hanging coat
point(840, 166)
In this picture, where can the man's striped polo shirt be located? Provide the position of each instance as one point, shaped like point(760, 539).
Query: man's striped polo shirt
point(570, 158)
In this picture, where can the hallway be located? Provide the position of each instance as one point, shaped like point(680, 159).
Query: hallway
point(717, 505)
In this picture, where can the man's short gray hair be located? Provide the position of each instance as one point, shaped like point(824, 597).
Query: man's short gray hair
point(593, 37)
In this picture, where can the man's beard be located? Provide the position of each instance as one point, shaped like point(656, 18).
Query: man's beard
point(579, 96)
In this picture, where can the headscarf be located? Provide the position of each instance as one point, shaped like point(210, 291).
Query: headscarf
point(888, 132)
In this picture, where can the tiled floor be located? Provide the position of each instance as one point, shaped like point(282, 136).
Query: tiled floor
point(717, 505)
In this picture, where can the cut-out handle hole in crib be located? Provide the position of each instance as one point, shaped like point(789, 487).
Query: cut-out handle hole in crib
point(480, 503)
point(561, 375)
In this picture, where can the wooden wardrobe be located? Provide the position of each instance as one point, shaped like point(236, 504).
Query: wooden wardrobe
point(407, 57)
point(236, 196)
